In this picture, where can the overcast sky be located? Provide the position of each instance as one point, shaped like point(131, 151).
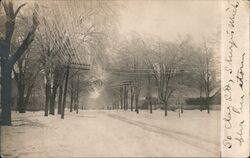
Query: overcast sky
point(167, 19)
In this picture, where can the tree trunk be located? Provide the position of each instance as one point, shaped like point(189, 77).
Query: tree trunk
point(27, 98)
point(77, 93)
point(65, 92)
point(132, 98)
point(56, 77)
point(179, 109)
point(136, 103)
point(6, 70)
point(59, 108)
point(207, 103)
point(166, 108)
point(149, 94)
point(20, 99)
point(121, 97)
point(150, 104)
point(208, 85)
point(125, 98)
point(52, 100)
point(200, 98)
point(47, 98)
point(74, 100)
point(182, 108)
point(208, 107)
point(71, 99)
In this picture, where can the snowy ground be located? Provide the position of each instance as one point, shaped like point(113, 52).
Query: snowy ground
point(113, 134)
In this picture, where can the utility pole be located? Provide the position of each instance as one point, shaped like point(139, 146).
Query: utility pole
point(71, 66)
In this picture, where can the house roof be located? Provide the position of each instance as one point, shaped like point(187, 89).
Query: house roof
point(184, 92)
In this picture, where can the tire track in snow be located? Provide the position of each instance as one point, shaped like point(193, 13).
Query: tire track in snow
point(201, 143)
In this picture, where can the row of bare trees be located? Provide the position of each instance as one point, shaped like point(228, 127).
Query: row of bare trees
point(38, 43)
point(156, 64)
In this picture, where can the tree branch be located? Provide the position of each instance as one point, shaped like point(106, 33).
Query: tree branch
point(27, 41)
point(10, 23)
point(18, 9)
point(6, 9)
point(171, 91)
point(16, 75)
point(20, 51)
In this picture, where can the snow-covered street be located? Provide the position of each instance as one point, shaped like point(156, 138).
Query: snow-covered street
point(112, 133)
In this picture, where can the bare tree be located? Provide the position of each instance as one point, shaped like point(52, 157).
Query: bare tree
point(131, 62)
point(25, 78)
point(207, 71)
point(9, 57)
point(57, 78)
point(201, 69)
point(163, 66)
